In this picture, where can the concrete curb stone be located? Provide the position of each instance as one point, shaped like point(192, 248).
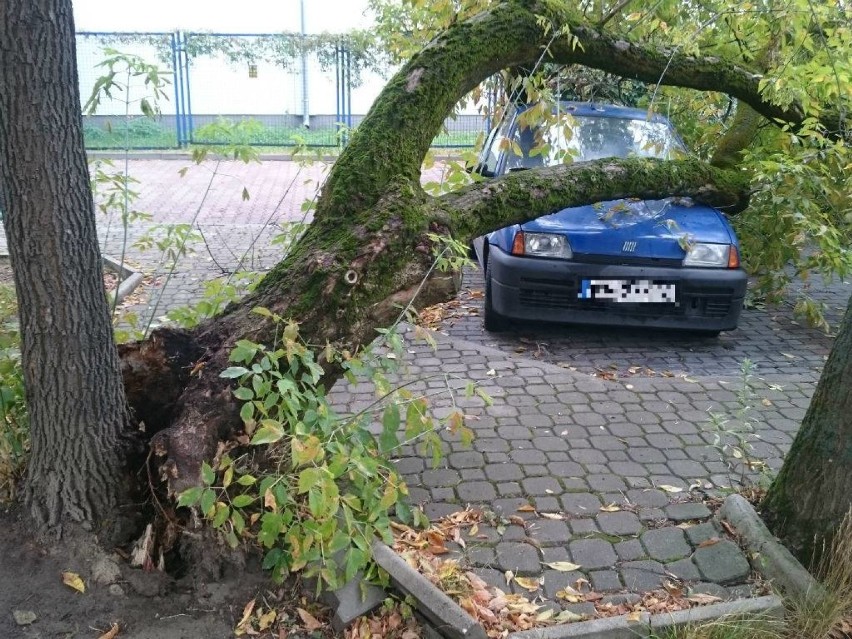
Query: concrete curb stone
point(443, 613)
point(773, 560)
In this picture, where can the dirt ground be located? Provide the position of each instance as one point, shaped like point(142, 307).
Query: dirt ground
point(36, 604)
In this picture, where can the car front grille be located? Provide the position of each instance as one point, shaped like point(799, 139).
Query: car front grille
point(712, 303)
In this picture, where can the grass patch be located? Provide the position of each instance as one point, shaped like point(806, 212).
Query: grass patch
point(14, 426)
point(145, 133)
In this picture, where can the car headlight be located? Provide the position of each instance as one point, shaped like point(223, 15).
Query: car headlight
point(713, 255)
point(541, 245)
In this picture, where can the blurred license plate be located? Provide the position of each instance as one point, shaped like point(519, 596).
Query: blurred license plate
point(633, 291)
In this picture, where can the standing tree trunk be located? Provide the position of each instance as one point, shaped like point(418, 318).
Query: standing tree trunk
point(78, 416)
point(813, 492)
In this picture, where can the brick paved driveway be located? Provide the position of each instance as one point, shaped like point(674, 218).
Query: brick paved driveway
point(582, 419)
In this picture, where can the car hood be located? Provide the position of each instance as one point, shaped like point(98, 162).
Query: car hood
point(658, 227)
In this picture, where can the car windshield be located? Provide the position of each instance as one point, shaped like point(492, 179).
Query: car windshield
point(582, 138)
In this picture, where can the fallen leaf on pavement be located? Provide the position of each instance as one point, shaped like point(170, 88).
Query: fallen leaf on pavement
point(563, 566)
point(709, 542)
point(702, 599)
point(528, 583)
point(670, 489)
point(310, 622)
point(73, 580)
point(610, 508)
point(111, 633)
point(526, 508)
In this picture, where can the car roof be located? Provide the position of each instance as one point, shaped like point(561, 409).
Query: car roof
point(600, 110)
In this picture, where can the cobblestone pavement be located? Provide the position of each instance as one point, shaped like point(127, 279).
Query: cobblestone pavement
point(607, 432)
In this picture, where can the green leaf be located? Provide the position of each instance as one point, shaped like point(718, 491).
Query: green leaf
point(269, 432)
point(221, 516)
point(190, 496)
point(247, 412)
point(246, 480)
point(208, 476)
point(241, 501)
point(243, 393)
point(309, 478)
point(207, 502)
point(233, 371)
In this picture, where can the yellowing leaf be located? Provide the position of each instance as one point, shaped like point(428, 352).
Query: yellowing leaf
point(526, 508)
point(566, 616)
point(266, 620)
point(670, 489)
point(528, 583)
point(634, 616)
point(558, 516)
point(112, 633)
point(570, 595)
point(563, 566)
point(73, 580)
point(610, 508)
point(311, 623)
point(702, 599)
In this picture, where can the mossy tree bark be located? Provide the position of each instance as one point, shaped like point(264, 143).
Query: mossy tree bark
point(813, 492)
point(79, 423)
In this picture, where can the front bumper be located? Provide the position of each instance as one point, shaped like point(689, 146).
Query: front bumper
point(524, 288)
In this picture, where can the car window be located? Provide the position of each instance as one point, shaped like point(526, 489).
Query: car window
point(490, 155)
point(582, 138)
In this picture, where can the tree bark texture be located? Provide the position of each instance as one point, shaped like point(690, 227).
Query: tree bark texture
point(78, 417)
point(813, 491)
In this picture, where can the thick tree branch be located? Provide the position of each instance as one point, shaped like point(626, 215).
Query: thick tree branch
point(393, 138)
point(522, 196)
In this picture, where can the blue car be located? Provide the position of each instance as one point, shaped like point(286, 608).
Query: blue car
point(669, 263)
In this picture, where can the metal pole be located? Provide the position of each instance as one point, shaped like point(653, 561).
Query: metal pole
point(306, 112)
point(189, 124)
point(177, 81)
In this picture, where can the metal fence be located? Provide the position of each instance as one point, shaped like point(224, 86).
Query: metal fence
point(264, 89)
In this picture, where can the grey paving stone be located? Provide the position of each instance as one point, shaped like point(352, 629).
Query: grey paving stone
point(556, 580)
point(555, 553)
point(665, 544)
point(587, 456)
point(503, 472)
point(687, 511)
point(548, 504)
point(541, 486)
point(492, 577)
point(481, 556)
point(606, 482)
point(566, 469)
point(466, 459)
point(685, 569)
point(548, 444)
point(651, 514)
point(722, 563)
point(581, 504)
point(550, 532)
point(642, 576)
point(520, 558)
point(476, 491)
point(652, 498)
point(528, 456)
point(593, 553)
point(630, 550)
point(605, 580)
point(584, 526)
point(701, 532)
point(439, 478)
point(619, 523)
